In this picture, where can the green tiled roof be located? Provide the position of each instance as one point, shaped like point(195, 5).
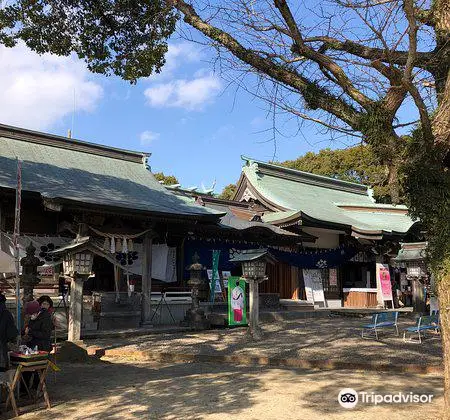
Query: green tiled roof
point(66, 169)
point(230, 221)
point(412, 251)
point(320, 198)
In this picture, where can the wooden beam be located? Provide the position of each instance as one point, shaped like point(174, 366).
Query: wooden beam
point(146, 278)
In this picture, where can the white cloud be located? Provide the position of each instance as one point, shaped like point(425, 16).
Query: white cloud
point(177, 54)
point(37, 91)
point(148, 137)
point(189, 94)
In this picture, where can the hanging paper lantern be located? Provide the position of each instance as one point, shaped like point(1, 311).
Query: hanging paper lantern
point(118, 245)
point(106, 245)
point(124, 246)
point(113, 245)
point(130, 245)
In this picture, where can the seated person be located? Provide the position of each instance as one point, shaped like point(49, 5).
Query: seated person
point(40, 325)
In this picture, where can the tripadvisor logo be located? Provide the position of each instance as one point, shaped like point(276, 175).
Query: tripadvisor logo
point(348, 398)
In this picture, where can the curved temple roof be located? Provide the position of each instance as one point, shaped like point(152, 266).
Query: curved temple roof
point(66, 170)
point(294, 195)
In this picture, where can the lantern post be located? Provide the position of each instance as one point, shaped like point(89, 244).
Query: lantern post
point(254, 263)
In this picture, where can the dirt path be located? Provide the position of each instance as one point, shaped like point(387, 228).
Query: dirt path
point(119, 389)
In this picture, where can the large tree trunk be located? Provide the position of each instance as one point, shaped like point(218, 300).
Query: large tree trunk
point(441, 131)
point(444, 307)
point(393, 182)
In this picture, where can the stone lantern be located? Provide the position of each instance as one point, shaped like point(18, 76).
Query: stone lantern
point(195, 316)
point(29, 278)
point(77, 264)
point(254, 262)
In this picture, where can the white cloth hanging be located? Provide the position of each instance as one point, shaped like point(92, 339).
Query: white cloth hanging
point(159, 261)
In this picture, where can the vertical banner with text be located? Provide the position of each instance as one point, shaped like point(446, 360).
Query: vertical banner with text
point(215, 275)
point(16, 239)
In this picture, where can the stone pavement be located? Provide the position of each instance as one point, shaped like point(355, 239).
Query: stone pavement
point(322, 343)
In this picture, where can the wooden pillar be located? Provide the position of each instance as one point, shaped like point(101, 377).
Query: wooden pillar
point(418, 296)
point(146, 279)
point(117, 283)
point(75, 309)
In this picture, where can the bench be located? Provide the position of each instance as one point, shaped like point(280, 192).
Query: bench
point(424, 323)
point(381, 320)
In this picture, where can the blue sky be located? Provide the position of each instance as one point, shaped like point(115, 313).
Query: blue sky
point(193, 124)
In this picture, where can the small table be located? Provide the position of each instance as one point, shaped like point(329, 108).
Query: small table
point(39, 365)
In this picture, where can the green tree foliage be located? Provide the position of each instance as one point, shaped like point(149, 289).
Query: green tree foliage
point(121, 37)
point(167, 179)
point(228, 192)
point(427, 190)
point(355, 164)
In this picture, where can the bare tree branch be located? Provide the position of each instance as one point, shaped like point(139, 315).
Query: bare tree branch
point(321, 59)
point(315, 96)
point(408, 7)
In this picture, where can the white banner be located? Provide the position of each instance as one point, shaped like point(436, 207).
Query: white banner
point(313, 285)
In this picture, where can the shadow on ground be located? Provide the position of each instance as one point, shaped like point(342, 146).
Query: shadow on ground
point(306, 339)
point(101, 390)
point(125, 390)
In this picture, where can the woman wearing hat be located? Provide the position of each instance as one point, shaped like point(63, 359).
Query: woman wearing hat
point(40, 325)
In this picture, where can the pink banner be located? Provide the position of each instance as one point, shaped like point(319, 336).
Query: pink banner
point(384, 279)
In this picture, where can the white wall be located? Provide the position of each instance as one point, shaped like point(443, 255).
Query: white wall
point(334, 303)
point(326, 238)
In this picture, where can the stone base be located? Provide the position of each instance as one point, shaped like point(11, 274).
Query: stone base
point(72, 352)
point(196, 319)
point(255, 334)
point(119, 320)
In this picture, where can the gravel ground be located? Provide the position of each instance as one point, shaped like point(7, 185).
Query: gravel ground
point(329, 338)
point(119, 389)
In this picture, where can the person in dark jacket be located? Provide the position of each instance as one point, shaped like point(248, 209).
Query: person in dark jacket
point(8, 333)
point(39, 329)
